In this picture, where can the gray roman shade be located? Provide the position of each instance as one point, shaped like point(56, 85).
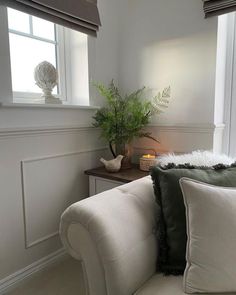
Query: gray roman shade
point(218, 7)
point(80, 15)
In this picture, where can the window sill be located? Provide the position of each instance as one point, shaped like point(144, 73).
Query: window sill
point(47, 106)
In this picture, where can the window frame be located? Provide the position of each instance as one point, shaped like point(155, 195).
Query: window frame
point(60, 52)
point(231, 120)
point(229, 139)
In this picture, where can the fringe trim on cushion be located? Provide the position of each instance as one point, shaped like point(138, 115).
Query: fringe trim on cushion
point(162, 262)
point(171, 272)
point(161, 236)
point(219, 166)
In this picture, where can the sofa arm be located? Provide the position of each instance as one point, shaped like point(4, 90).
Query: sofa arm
point(113, 234)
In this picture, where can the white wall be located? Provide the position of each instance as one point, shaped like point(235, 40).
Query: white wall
point(168, 42)
point(104, 51)
point(41, 173)
point(43, 155)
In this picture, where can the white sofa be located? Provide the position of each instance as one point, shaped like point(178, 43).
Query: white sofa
point(113, 234)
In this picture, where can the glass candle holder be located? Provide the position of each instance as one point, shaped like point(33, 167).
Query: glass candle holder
point(146, 162)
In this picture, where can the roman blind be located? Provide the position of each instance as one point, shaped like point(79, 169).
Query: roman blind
point(218, 7)
point(80, 15)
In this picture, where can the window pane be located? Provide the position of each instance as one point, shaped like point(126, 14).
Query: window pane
point(43, 29)
point(26, 54)
point(18, 21)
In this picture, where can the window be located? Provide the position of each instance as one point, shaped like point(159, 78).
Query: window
point(33, 40)
point(225, 104)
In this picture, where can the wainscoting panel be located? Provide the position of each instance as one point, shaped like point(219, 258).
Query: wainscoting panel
point(49, 185)
point(42, 172)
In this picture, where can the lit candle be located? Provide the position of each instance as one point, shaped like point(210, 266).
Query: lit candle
point(146, 162)
point(149, 156)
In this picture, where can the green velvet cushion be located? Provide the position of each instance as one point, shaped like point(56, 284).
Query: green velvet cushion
point(172, 228)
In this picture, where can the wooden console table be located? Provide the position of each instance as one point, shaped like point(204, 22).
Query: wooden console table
point(100, 180)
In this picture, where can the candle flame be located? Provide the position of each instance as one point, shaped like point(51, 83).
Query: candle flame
point(149, 156)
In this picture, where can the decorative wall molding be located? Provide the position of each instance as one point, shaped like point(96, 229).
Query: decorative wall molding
point(11, 281)
point(28, 242)
point(65, 154)
point(38, 130)
point(188, 128)
point(220, 126)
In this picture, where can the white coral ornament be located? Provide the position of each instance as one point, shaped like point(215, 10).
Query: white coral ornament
point(46, 78)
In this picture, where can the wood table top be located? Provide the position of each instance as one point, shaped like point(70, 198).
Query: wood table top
point(125, 176)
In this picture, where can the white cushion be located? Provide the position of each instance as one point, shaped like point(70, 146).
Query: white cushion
point(162, 285)
point(165, 285)
point(211, 230)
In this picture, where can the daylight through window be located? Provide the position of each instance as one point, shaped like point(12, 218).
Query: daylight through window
point(32, 40)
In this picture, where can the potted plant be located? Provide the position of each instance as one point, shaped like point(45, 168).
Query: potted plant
point(124, 117)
